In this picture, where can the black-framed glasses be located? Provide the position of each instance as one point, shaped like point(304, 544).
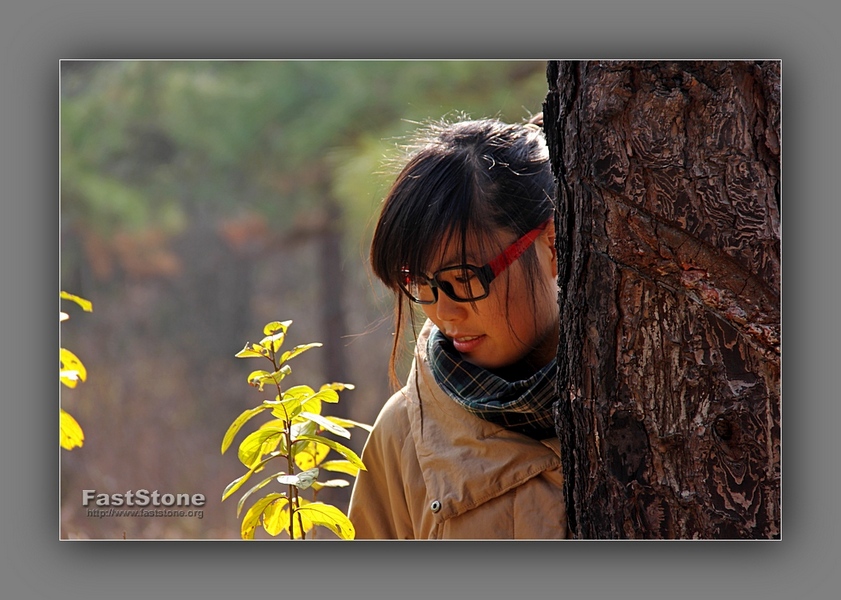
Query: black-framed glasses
point(465, 283)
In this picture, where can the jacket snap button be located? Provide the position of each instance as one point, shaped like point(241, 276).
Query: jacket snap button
point(435, 506)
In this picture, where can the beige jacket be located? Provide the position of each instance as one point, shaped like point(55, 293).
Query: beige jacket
point(435, 471)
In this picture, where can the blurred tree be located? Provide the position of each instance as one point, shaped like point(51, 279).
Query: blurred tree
point(200, 199)
point(184, 146)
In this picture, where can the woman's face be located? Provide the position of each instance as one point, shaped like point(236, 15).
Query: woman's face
point(517, 322)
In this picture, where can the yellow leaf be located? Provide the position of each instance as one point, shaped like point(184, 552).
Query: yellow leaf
point(260, 485)
point(298, 392)
point(273, 342)
point(70, 434)
point(349, 423)
point(237, 483)
point(295, 400)
point(251, 351)
point(252, 517)
point(332, 483)
point(276, 516)
point(303, 427)
point(237, 425)
point(300, 519)
point(341, 449)
point(329, 516)
point(86, 305)
point(327, 395)
point(71, 368)
point(302, 398)
point(310, 455)
point(255, 445)
point(260, 378)
point(327, 424)
point(337, 386)
point(289, 354)
point(275, 326)
point(301, 480)
point(68, 378)
point(340, 466)
point(255, 377)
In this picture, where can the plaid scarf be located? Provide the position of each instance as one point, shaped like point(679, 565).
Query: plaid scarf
point(523, 406)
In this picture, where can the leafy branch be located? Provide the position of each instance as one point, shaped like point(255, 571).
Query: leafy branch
point(295, 436)
point(70, 372)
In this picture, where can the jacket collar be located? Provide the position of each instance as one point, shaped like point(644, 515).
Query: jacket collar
point(466, 460)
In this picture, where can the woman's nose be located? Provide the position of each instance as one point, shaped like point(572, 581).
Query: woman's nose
point(445, 309)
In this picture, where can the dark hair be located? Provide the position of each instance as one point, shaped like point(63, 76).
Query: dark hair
point(477, 176)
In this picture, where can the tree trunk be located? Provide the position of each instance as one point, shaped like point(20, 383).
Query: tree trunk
point(669, 267)
point(333, 293)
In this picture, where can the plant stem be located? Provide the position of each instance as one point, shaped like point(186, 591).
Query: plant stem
point(292, 490)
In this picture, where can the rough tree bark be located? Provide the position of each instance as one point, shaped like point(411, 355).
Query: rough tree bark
point(669, 267)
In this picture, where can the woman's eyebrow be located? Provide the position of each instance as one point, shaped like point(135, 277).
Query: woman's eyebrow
point(455, 258)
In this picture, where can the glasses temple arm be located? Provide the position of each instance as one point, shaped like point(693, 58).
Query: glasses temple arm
point(515, 250)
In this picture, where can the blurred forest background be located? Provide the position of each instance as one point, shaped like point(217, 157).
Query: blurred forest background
point(200, 200)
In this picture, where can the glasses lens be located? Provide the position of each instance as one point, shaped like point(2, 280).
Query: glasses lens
point(461, 283)
point(418, 288)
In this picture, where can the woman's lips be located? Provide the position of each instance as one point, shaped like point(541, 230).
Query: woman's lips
point(467, 343)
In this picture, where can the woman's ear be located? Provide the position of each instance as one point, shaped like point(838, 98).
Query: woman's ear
point(547, 238)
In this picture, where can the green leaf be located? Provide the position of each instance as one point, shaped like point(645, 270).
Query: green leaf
point(70, 434)
point(276, 516)
point(275, 326)
point(252, 517)
point(330, 517)
point(258, 443)
point(301, 480)
point(340, 466)
point(341, 449)
point(237, 425)
point(290, 354)
point(327, 424)
point(86, 305)
point(259, 486)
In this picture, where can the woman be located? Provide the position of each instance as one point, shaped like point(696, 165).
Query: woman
point(467, 448)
